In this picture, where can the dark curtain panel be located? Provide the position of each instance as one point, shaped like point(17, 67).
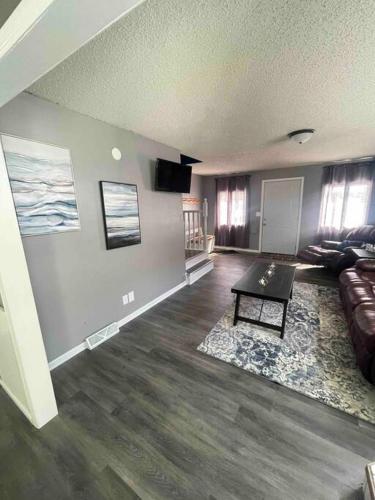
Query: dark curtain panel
point(337, 181)
point(232, 211)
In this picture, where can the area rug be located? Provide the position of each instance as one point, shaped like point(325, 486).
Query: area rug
point(315, 357)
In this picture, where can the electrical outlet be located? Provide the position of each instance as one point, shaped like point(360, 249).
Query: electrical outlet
point(131, 296)
point(125, 299)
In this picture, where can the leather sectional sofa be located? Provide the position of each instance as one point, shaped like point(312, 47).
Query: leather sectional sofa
point(336, 255)
point(357, 289)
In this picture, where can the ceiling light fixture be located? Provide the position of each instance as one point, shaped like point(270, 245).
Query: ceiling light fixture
point(301, 136)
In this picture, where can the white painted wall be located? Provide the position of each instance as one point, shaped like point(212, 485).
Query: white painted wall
point(24, 370)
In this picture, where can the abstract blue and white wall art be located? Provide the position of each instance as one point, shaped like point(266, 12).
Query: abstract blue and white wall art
point(121, 214)
point(41, 179)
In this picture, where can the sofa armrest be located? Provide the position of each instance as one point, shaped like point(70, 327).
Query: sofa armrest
point(330, 245)
point(366, 264)
point(329, 254)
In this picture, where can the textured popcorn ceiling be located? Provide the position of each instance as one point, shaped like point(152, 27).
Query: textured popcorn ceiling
point(226, 80)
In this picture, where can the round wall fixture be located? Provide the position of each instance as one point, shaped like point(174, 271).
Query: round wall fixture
point(301, 136)
point(116, 153)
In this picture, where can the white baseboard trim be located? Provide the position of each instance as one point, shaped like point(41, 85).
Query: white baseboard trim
point(67, 355)
point(153, 303)
point(81, 347)
point(16, 401)
point(236, 249)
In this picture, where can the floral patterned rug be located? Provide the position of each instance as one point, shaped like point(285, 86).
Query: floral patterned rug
point(315, 357)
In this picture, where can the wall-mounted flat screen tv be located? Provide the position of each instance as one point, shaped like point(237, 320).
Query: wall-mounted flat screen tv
point(172, 177)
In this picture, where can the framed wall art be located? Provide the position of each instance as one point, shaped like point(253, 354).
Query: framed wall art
point(121, 214)
point(41, 179)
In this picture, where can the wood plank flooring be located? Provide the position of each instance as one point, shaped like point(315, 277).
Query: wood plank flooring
point(146, 416)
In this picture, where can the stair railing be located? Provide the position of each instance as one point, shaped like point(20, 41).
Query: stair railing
point(195, 227)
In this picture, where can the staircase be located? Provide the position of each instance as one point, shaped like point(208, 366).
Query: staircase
point(197, 261)
point(197, 266)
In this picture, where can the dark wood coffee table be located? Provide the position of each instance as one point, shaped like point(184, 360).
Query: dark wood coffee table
point(279, 289)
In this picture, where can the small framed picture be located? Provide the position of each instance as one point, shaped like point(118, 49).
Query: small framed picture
point(120, 214)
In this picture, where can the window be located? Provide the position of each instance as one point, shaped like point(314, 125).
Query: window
point(345, 205)
point(232, 212)
point(232, 226)
point(223, 208)
point(356, 206)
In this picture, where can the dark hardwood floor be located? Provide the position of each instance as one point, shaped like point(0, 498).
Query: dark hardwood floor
point(147, 416)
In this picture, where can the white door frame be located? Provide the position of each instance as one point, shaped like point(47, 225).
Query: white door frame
point(25, 374)
point(302, 179)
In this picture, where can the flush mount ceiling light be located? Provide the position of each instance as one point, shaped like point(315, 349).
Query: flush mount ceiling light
point(116, 154)
point(301, 136)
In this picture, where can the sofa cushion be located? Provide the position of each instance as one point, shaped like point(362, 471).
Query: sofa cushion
point(330, 244)
point(366, 265)
point(364, 324)
point(365, 233)
point(357, 294)
point(355, 275)
point(324, 252)
point(309, 256)
point(350, 276)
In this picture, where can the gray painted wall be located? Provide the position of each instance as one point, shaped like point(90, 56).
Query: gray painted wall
point(78, 284)
point(196, 186)
point(195, 192)
point(310, 207)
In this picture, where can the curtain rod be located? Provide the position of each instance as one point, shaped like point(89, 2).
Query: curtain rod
point(237, 174)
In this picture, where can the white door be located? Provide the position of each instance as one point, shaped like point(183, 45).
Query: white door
point(282, 200)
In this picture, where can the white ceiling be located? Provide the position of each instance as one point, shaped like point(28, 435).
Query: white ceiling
point(226, 80)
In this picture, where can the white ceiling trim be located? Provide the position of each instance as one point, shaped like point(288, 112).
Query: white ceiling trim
point(22, 19)
point(40, 34)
